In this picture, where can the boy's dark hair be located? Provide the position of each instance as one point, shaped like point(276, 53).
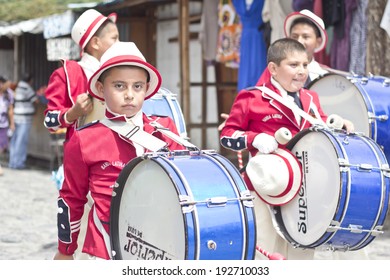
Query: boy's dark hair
point(27, 77)
point(281, 48)
point(308, 22)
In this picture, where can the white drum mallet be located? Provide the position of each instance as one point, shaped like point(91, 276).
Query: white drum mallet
point(335, 121)
point(283, 135)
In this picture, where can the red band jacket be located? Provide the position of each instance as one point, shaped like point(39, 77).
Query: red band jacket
point(65, 84)
point(255, 112)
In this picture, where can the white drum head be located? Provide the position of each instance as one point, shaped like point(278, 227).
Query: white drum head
point(339, 95)
point(150, 220)
point(307, 217)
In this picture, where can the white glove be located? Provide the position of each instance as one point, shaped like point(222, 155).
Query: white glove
point(265, 143)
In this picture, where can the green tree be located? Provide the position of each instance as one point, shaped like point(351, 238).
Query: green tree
point(19, 10)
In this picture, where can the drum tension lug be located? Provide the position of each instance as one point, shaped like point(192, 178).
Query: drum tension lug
point(386, 170)
point(381, 118)
point(247, 198)
point(344, 165)
point(378, 230)
point(186, 203)
point(219, 201)
point(365, 167)
point(334, 226)
point(355, 228)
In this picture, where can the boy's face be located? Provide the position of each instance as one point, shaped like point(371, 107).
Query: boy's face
point(305, 34)
point(124, 89)
point(292, 72)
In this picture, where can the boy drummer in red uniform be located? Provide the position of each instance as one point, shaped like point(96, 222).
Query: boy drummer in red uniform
point(256, 116)
point(97, 153)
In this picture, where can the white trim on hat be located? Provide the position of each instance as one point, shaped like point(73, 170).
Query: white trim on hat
point(125, 53)
point(313, 18)
point(276, 177)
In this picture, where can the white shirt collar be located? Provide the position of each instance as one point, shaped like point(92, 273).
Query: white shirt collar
point(315, 70)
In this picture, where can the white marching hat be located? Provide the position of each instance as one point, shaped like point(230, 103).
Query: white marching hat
point(313, 18)
point(276, 177)
point(87, 25)
point(125, 53)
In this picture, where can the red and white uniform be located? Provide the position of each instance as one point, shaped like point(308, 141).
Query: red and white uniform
point(255, 112)
point(92, 163)
point(65, 84)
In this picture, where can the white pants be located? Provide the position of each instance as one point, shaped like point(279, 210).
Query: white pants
point(268, 238)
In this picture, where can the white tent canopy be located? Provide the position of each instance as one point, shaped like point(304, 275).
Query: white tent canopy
point(34, 26)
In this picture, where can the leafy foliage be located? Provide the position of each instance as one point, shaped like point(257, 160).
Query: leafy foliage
point(19, 10)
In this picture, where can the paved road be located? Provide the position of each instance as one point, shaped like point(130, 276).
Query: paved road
point(28, 215)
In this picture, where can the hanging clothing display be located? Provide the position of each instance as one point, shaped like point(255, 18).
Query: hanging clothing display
point(228, 45)
point(339, 55)
point(208, 33)
point(253, 50)
point(323, 56)
point(378, 56)
point(385, 22)
point(358, 37)
point(275, 11)
point(299, 5)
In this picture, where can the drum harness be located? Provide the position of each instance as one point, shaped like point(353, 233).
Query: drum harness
point(295, 109)
point(144, 139)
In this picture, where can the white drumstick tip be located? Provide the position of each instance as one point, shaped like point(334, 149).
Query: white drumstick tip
point(283, 135)
point(335, 121)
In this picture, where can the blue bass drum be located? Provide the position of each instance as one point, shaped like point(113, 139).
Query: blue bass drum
point(164, 103)
point(182, 206)
point(362, 100)
point(344, 197)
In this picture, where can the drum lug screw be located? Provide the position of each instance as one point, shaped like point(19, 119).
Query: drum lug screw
point(212, 245)
point(364, 80)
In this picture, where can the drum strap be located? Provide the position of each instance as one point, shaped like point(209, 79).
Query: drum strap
point(165, 131)
point(135, 134)
point(293, 108)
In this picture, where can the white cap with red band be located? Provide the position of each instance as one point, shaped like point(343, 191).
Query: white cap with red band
point(87, 25)
point(125, 53)
point(313, 18)
point(276, 177)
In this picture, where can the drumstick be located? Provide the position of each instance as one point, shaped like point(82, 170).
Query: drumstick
point(335, 121)
point(283, 135)
point(272, 257)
